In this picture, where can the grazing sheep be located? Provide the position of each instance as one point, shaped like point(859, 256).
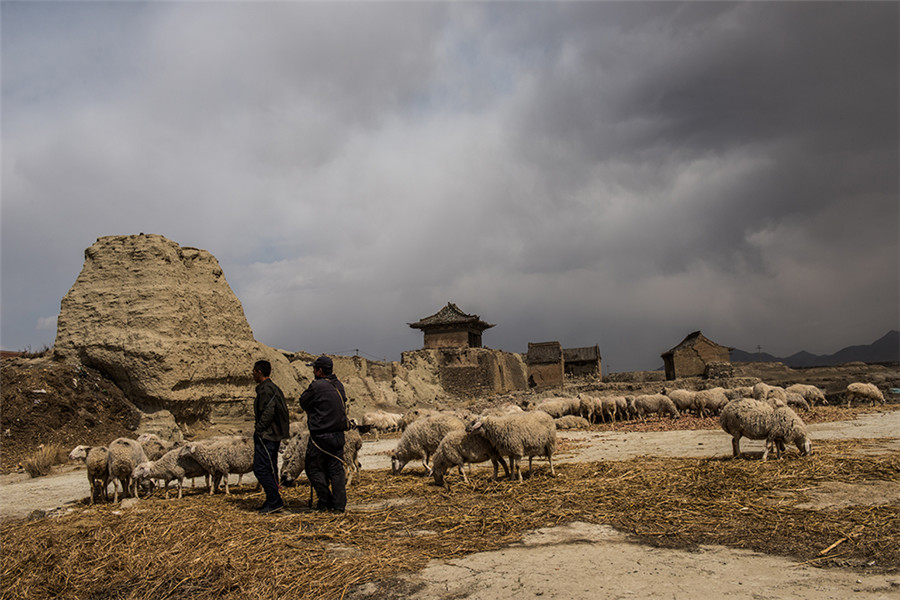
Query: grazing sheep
point(559, 407)
point(459, 447)
point(421, 439)
point(710, 401)
point(503, 409)
point(757, 420)
point(240, 458)
point(96, 459)
point(810, 393)
point(154, 446)
point(682, 399)
point(293, 460)
point(379, 420)
point(648, 404)
point(173, 465)
point(528, 434)
point(413, 415)
point(211, 455)
point(863, 391)
point(590, 408)
point(796, 401)
point(621, 407)
point(764, 391)
point(571, 422)
point(124, 455)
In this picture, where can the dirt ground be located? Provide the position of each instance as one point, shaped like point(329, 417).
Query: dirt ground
point(582, 560)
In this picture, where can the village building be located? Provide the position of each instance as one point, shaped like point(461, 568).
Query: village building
point(546, 367)
point(695, 356)
point(451, 328)
point(582, 362)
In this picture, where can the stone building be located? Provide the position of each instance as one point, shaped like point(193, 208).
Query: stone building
point(693, 355)
point(582, 362)
point(545, 363)
point(451, 328)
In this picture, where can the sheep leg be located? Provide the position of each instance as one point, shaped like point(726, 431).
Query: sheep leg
point(463, 473)
point(226, 485)
point(769, 444)
point(736, 446)
point(550, 460)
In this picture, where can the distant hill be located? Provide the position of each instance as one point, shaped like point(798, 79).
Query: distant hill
point(884, 349)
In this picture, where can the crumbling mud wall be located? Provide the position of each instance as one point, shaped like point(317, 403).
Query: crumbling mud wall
point(162, 321)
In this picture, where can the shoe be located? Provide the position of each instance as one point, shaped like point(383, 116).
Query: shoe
point(265, 510)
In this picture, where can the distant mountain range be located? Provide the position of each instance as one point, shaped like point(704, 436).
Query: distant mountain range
point(884, 349)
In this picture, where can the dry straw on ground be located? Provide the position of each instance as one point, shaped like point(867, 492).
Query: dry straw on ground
point(203, 547)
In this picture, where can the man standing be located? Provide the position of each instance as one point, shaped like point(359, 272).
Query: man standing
point(272, 425)
point(323, 402)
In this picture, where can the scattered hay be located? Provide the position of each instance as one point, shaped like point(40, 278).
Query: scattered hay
point(204, 547)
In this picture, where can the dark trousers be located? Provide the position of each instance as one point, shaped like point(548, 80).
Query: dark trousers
point(325, 470)
point(265, 467)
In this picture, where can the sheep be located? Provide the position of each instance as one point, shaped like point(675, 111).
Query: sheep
point(96, 459)
point(810, 393)
point(413, 415)
point(621, 406)
point(173, 465)
point(796, 401)
point(459, 447)
point(211, 455)
point(124, 455)
point(764, 391)
point(421, 439)
point(863, 391)
point(293, 460)
point(683, 399)
point(648, 404)
point(757, 420)
point(503, 409)
point(710, 401)
point(379, 420)
point(559, 407)
point(528, 434)
point(240, 458)
point(571, 422)
point(154, 447)
point(590, 408)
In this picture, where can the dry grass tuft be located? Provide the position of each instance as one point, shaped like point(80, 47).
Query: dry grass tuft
point(204, 547)
point(41, 462)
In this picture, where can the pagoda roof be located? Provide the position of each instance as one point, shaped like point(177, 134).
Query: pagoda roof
point(450, 315)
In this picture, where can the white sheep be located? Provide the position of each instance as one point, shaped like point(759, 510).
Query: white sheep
point(757, 420)
point(571, 422)
point(293, 461)
point(173, 465)
point(764, 391)
point(412, 415)
point(380, 420)
point(810, 393)
point(154, 446)
point(648, 404)
point(528, 434)
point(421, 439)
point(863, 391)
point(459, 447)
point(796, 401)
point(682, 399)
point(590, 408)
point(211, 455)
point(559, 407)
point(96, 459)
point(124, 455)
point(710, 401)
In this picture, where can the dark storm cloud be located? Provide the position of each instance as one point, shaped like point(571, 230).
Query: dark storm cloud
point(612, 173)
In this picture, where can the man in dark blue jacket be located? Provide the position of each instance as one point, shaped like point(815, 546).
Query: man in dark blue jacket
point(326, 417)
point(272, 424)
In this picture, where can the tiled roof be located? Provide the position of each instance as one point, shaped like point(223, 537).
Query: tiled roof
point(450, 315)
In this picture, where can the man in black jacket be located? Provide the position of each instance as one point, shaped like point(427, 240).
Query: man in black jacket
point(272, 425)
point(326, 417)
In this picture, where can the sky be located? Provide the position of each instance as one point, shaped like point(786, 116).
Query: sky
point(618, 174)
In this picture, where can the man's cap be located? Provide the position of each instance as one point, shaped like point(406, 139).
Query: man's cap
point(323, 362)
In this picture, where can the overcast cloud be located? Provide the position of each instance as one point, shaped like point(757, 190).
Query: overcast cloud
point(605, 173)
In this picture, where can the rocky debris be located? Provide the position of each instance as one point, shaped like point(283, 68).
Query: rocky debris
point(161, 320)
